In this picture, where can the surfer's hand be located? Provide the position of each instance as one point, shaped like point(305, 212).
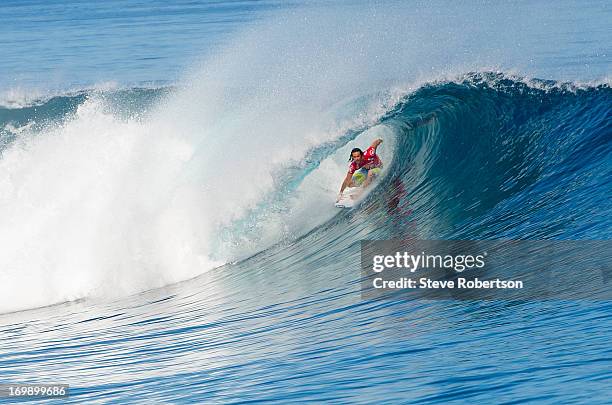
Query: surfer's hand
point(339, 197)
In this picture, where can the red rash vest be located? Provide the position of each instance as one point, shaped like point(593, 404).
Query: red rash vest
point(369, 159)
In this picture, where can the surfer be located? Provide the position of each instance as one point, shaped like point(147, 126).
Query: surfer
point(363, 168)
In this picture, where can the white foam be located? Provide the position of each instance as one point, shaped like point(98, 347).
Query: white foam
point(18, 97)
point(85, 212)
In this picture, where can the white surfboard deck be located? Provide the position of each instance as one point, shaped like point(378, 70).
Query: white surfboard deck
point(350, 196)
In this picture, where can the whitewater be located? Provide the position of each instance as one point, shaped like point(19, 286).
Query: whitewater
point(169, 235)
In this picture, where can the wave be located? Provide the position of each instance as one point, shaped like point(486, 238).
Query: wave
point(495, 156)
point(32, 113)
point(482, 156)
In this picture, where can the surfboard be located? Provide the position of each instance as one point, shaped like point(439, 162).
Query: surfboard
point(349, 197)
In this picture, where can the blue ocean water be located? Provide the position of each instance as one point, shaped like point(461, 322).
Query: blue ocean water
point(167, 174)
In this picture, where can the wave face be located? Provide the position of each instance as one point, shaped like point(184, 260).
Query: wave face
point(541, 151)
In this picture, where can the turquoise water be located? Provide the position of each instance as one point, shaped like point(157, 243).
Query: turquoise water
point(167, 178)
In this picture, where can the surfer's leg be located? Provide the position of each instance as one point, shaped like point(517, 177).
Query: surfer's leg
point(371, 174)
point(358, 178)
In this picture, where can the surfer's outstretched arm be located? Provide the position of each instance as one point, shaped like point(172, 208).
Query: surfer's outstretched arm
point(345, 184)
point(376, 143)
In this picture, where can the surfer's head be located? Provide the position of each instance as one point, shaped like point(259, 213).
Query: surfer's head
point(356, 155)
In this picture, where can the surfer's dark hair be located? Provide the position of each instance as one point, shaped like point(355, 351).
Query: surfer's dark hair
point(353, 151)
